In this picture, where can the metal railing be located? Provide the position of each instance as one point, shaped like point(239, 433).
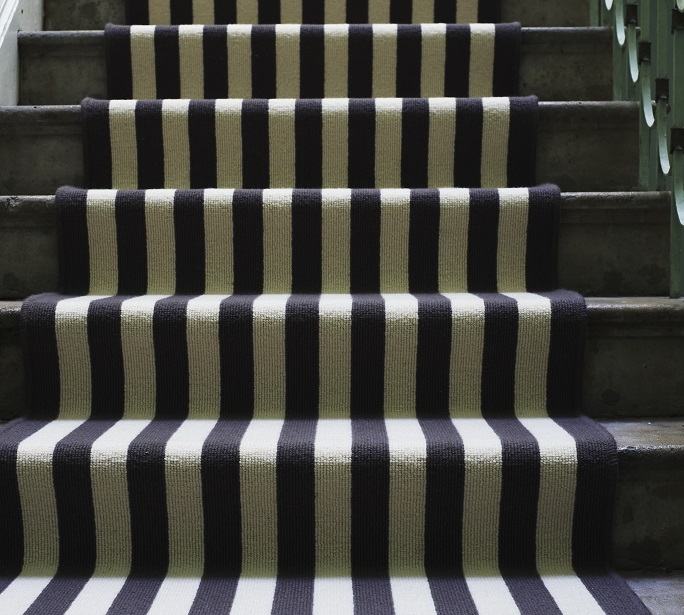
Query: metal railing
point(648, 66)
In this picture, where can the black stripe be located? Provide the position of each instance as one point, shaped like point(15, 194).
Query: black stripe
point(263, 61)
point(445, 11)
point(215, 594)
point(483, 240)
point(181, 12)
point(401, 11)
point(72, 229)
point(171, 358)
point(312, 60)
point(131, 241)
point(313, 12)
point(149, 135)
point(307, 247)
point(136, 596)
point(301, 358)
point(202, 137)
point(612, 593)
point(225, 12)
point(415, 132)
point(106, 358)
point(498, 356)
point(215, 48)
point(360, 62)
point(188, 222)
point(457, 61)
point(137, 12)
point(119, 62)
point(409, 51)
point(237, 357)
point(361, 152)
point(488, 11)
point(57, 596)
point(167, 62)
point(293, 595)
point(367, 358)
point(269, 11)
point(364, 251)
point(541, 262)
point(255, 144)
point(506, 60)
point(248, 241)
point(423, 257)
point(522, 141)
point(468, 147)
point(308, 144)
point(357, 11)
point(97, 147)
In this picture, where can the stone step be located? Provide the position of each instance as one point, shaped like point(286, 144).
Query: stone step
point(93, 15)
point(610, 244)
point(632, 365)
point(583, 146)
point(661, 592)
point(62, 68)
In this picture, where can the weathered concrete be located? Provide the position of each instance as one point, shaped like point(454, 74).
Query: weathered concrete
point(582, 147)
point(662, 593)
point(94, 14)
point(610, 244)
point(62, 68)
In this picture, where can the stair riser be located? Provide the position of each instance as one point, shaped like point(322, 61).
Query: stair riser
point(89, 15)
point(581, 147)
point(556, 64)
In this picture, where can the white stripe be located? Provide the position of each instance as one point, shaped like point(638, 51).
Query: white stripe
point(97, 596)
point(102, 244)
point(412, 596)
point(570, 594)
point(333, 596)
point(254, 596)
point(21, 593)
point(175, 595)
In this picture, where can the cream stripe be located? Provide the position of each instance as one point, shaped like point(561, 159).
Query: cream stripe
point(176, 595)
point(268, 317)
point(229, 143)
point(137, 343)
point(412, 596)
point(401, 344)
point(240, 61)
point(73, 352)
point(176, 143)
point(333, 596)
point(203, 12)
point(384, 60)
point(433, 56)
point(183, 476)
point(21, 593)
point(481, 507)
point(161, 241)
point(254, 595)
point(334, 330)
point(336, 57)
point(287, 57)
point(395, 219)
point(335, 12)
point(570, 594)
point(124, 145)
point(218, 241)
point(442, 131)
point(281, 142)
point(511, 257)
point(102, 246)
point(143, 63)
point(277, 222)
point(34, 467)
point(481, 73)
point(467, 343)
point(466, 11)
point(204, 358)
point(495, 129)
point(97, 596)
point(532, 354)
point(109, 480)
point(333, 451)
point(291, 11)
point(336, 238)
point(247, 11)
point(378, 11)
point(191, 47)
point(335, 142)
point(408, 460)
point(160, 12)
point(388, 142)
point(258, 499)
point(423, 12)
point(454, 206)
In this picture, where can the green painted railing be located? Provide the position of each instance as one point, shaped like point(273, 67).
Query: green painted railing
point(648, 66)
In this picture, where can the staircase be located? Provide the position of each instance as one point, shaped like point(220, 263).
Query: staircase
point(613, 248)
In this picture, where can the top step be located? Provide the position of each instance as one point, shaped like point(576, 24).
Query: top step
point(91, 15)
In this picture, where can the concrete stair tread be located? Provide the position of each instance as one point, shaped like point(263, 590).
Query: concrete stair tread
point(556, 64)
point(662, 592)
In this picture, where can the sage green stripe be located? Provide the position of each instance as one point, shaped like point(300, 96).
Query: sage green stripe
point(335, 142)
point(277, 240)
point(511, 256)
point(102, 242)
point(176, 143)
point(388, 124)
point(281, 142)
point(287, 58)
point(143, 63)
point(442, 130)
point(334, 330)
point(495, 131)
point(481, 73)
point(336, 240)
point(401, 344)
point(160, 233)
point(395, 220)
point(191, 46)
point(239, 61)
point(384, 60)
point(229, 143)
point(433, 57)
point(454, 206)
point(336, 58)
point(123, 143)
point(218, 241)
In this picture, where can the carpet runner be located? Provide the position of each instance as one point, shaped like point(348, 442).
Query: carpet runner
point(308, 356)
